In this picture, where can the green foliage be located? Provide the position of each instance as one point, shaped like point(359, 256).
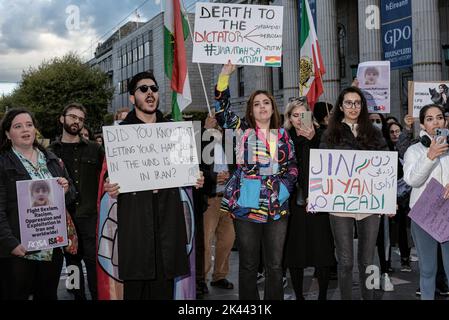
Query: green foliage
point(47, 89)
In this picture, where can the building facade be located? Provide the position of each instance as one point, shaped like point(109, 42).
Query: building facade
point(344, 39)
point(139, 47)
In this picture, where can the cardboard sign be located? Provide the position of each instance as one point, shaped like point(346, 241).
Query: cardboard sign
point(423, 93)
point(42, 215)
point(353, 181)
point(244, 34)
point(431, 212)
point(151, 156)
point(374, 81)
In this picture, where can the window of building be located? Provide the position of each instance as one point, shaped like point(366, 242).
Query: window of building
point(141, 51)
point(241, 82)
point(147, 48)
point(135, 55)
point(130, 57)
point(341, 31)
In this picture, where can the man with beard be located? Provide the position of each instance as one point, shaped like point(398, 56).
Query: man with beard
point(83, 160)
point(152, 231)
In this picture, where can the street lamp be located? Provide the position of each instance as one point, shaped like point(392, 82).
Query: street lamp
point(446, 53)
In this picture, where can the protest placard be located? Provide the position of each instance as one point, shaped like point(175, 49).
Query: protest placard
point(42, 215)
point(353, 181)
point(423, 93)
point(374, 81)
point(244, 34)
point(431, 212)
point(151, 156)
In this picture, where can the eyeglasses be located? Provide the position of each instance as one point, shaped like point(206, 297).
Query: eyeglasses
point(348, 104)
point(75, 118)
point(376, 121)
point(144, 88)
point(302, 99)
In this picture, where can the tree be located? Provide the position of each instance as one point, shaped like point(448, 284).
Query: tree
point(47, 89)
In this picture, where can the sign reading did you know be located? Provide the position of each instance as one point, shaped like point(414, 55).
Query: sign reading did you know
point(244, 34)
point(353, 181)
point(151, 156)
point(42, 215)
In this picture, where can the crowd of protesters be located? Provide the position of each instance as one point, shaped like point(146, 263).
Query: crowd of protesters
point(261, 203)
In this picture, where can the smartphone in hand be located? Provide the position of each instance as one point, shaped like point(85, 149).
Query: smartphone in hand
point(306, 119)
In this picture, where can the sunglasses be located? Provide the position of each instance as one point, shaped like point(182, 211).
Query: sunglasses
point(300, 99)
point(144, 88)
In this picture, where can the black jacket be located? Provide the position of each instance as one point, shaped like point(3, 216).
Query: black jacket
point(12, 170)
point(87, 164)
point(152, 230)
point(302, 152)
point(350, 142)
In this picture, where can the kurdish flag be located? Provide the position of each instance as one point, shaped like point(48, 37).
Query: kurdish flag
point(311, 62)
point(175, 33)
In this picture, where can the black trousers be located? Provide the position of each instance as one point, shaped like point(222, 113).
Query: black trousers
point(21, 278)
point(86, 229)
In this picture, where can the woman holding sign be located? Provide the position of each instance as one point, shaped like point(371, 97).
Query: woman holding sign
point(309, 236)
point(256, 194)
point(22, 158)
point(350, 129)
point(423, 162)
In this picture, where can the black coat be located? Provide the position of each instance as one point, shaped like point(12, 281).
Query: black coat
point(309, 236)
point(12, 170)
point(152, 230)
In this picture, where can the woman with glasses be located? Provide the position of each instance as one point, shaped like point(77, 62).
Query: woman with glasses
point(422, 163)
point(257, 193)
point(22, 158)
point(350, 129)
point(309, 237)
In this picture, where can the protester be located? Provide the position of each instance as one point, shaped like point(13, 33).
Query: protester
point(121, 114)
point(86, 133)
point(218, 225)
point(309, 236)
point(322, 113)
point(422, 163)
point(22, 158)
point(83, 160)
point(257, 193)
point(152, 238)
point(350, 128)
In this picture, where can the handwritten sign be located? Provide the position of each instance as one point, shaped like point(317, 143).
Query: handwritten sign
point(151, 156)
point(353, 181)
point(374, 81)
point(423, 93)
point(42, 215)
point(431, 212)
point(244, 34)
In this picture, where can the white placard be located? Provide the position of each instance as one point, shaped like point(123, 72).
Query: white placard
point(423, 93)
point(374, 81)
point(353, 181)
point(244, 34)
point(151, 156)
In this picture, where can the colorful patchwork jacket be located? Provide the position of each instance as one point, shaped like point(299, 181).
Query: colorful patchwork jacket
point(276, 171)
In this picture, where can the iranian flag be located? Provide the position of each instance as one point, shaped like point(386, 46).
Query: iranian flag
point(175, 33)
point(311, 62)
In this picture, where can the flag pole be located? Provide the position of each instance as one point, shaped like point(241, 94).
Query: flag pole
point(199, 67)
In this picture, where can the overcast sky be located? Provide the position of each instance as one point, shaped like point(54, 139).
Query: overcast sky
point(35, 30)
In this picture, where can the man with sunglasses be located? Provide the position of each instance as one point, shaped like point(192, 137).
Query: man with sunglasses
point(83, 160)
point(152, 234)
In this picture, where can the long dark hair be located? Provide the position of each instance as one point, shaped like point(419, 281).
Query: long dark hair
point(275, 121)
point(368, 136)
point(5, 126)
